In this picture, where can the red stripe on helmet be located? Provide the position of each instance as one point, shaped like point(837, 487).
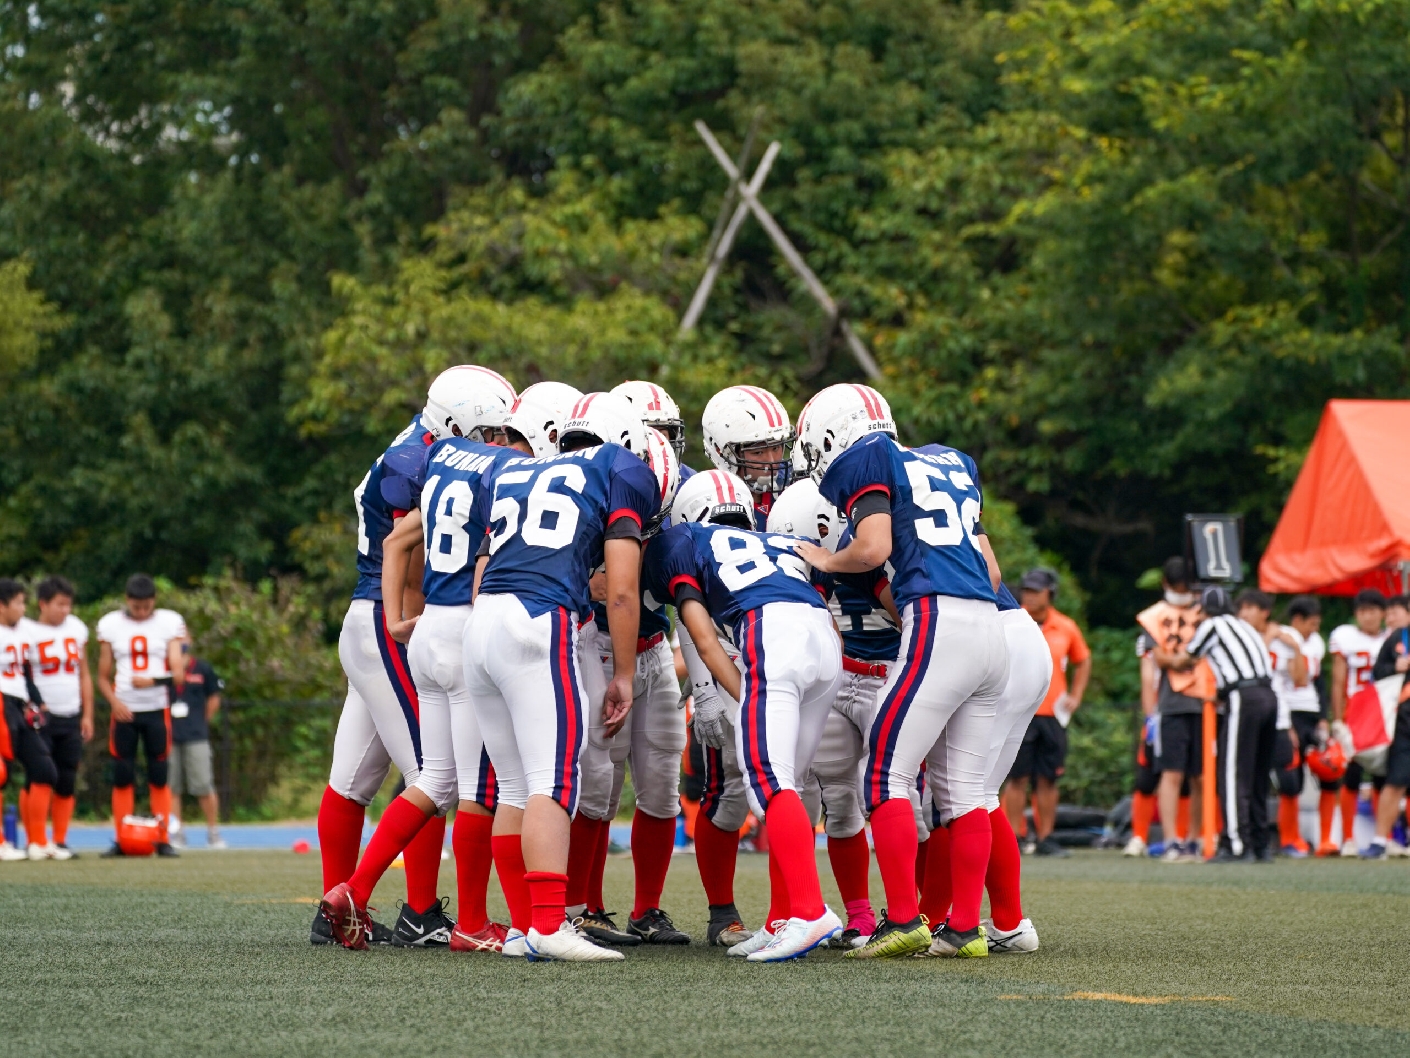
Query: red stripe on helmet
point(869, 401)
point(717, 477)
point(770, 415)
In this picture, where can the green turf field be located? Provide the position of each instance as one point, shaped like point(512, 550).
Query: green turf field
point(209, 955)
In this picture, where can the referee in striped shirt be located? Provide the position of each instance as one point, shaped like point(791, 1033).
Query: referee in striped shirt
point(1247, 722)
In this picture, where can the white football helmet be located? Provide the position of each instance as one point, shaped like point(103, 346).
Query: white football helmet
point(536, 423)
point(741, 418)
point(657, 409)
point(609, 419)
point(558, 396)
point(661, 458)
point(467, 401)
point(838, 417)
point(716, 497)
point(800, 465)
point(801, 511)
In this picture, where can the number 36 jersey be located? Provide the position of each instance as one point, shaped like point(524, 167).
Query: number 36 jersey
point(548, 519)
point(452, 474)
point(731, 570)
point(935, 502)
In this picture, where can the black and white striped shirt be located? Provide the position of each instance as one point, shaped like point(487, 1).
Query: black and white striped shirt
point(1234, 649)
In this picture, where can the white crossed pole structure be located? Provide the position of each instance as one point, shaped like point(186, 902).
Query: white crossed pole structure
point(749, 203)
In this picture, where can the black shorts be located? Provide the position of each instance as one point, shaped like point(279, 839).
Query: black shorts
point(1398, 761)
point(1181, 744)
point(1044, 751)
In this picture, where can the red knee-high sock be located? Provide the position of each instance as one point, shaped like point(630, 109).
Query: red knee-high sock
point(791, 838)
point(546, 895)
point(599, 865)
point(123, 799)
point(716, 851)
point(582, 850)
point(778, 893)
point(1348, 813)
point(339, 837)
point(893, 832)
point(422, 857)
point(1143, 808)
point(652, 842)
point(159, 797)
point(62, 810)
point(970, 843)
point(1326, 812)
point(935, 895)
point(401, 822)
point(508, 853)
point(851, 861)
point(1287, 820)
point(1002, 878)
point(922, 851)
point(470, 839)
point(1182, 819)
point(35, 825)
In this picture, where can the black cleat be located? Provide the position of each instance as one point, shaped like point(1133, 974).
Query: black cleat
point(113, 850)
point(164, 848)
point(428, 929)
point(598, 926)
point(656, 927)
point(726, 927)
point(71, 854)
point(1049, 847)
point(1226, 855)
point(846, 940)
point(321, 931)
point(1263, 855)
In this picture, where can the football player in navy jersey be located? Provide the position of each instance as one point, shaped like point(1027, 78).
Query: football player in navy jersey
point(551, 522)
point(747, 433)
point(379, 724)
point(919, 509)
point(754, 586)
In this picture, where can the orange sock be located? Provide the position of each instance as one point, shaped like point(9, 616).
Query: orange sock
point(1288, 823)
point(1182, 819)
point(1348, 813)
point(1326, 812)
point(123, 799)
point(160, 796)
point(61, 808)
point(1142, 812)
point(38, 803)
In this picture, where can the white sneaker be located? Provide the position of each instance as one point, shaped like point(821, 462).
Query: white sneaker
point(566, 944)
point(215, 842)
point(1022, 938)
point(1349, 850)
point(9, 854)
point(173, 827)
point(1396, 850)
point(516, 945)
point(54, 852)
point(799, 937)
point(761, 938)
point(1134, 847)
point(37, 851)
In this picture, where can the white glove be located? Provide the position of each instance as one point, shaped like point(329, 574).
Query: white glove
point(1062, 709)
point(710, 714)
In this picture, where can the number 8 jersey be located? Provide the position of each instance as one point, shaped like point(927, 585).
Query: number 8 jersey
point(935, 502)
point(548, 519)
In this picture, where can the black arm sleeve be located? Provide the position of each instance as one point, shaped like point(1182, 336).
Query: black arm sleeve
point(874, 502)
point(1385, 660)
point(484, 547)
point(30, 688)
point(685, 590)
point(623, 528)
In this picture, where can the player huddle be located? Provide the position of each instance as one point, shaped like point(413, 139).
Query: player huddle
point(840, 615)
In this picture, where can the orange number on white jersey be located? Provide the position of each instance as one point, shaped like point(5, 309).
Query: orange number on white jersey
point(12, 668)
point(70, 655)
point(47, 665)
point(138, 651)
point(1363, 669)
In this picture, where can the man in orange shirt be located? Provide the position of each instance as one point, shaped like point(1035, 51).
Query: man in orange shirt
point(1044, 751)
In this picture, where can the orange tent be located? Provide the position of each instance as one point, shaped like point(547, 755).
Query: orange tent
point(1346, 525)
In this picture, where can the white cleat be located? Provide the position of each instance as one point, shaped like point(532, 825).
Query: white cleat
point(757, 941)
point(799, 937)
point(516, 945)
point(1395, 850)
point(10, 854)
point(567, 945)
point(1134, 847)
point(1350, 851)
point(1023, 938)
point(56, 852)
point(37, 851)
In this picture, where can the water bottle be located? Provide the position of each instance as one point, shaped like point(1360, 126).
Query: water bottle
point(12, 825)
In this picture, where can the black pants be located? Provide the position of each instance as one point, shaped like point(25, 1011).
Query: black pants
point(1247, 737)
point(29, 745)
point(153, 730)
point(65, 744)
point(1288, 762)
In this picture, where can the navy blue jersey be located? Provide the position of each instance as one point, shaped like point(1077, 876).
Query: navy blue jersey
point(868, 633)
point(375, 512)
point(548, 519)
point(1004, 598)
point(734, 570)
point(935, 502)
point(449, 479)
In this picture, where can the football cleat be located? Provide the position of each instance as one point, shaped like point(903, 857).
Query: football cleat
point(1049, 847)
point(760, 939)
point(37, 851)
point(566, 944)
point(164, 848)
point(1226, 855)
point(110, 852)
point(894, 941)
point(516, 945)
point(599, 926)
point(847, 940)
point(1349, 849)
point(656, 927)
point(488, 938)
point(1374, 851)
point(946, 943)
point(346, 917)
point(10, 854)
point(1327, 848)
point(799, 937)
point(61, 852)
point(1135, 847)
point(427, 929)
point(726, 928)
point(1395, 850)
point(1022, 938)
point(321, 931)
point(1178, 853)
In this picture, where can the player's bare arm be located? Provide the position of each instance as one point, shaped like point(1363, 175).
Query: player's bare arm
point(85, 690)
point(870, 547)
point(1077, 683)
point(623, 557)
point(397, 550)
point(412, 601)
point(1150, 683)
point(888, 602)
point(996, 575)
point(1338, 686)
point(480, 564)
point(121, 713)
point(702, 634)
point(176, 662)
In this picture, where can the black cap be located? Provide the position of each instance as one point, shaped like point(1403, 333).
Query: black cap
point(1039, 580)
point(1215, 601)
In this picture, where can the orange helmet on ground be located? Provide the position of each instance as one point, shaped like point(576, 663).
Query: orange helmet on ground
point(1327, 762)
point(138, 835)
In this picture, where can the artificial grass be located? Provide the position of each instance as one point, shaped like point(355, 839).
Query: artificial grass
point(209, 955)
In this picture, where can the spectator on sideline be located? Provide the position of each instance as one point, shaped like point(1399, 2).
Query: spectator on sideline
point(1354, 649)
point(190, 770)
point(1043, 754)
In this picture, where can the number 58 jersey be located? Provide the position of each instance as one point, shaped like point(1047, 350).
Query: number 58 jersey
point(732, 570)
point(548, 519)
point(935, 500)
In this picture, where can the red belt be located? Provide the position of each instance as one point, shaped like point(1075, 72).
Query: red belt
point(646, 643)
point(863, 668)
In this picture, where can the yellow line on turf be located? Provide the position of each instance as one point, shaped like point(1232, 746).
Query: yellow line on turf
point(289, 900)
point(1115, 997)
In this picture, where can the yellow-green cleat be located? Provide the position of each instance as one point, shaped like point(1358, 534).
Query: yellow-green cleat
point(890, 941)
point(946, 943)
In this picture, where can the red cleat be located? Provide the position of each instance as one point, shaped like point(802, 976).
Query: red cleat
point(349, 921)
point(488, 938)
point(1328, 849)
